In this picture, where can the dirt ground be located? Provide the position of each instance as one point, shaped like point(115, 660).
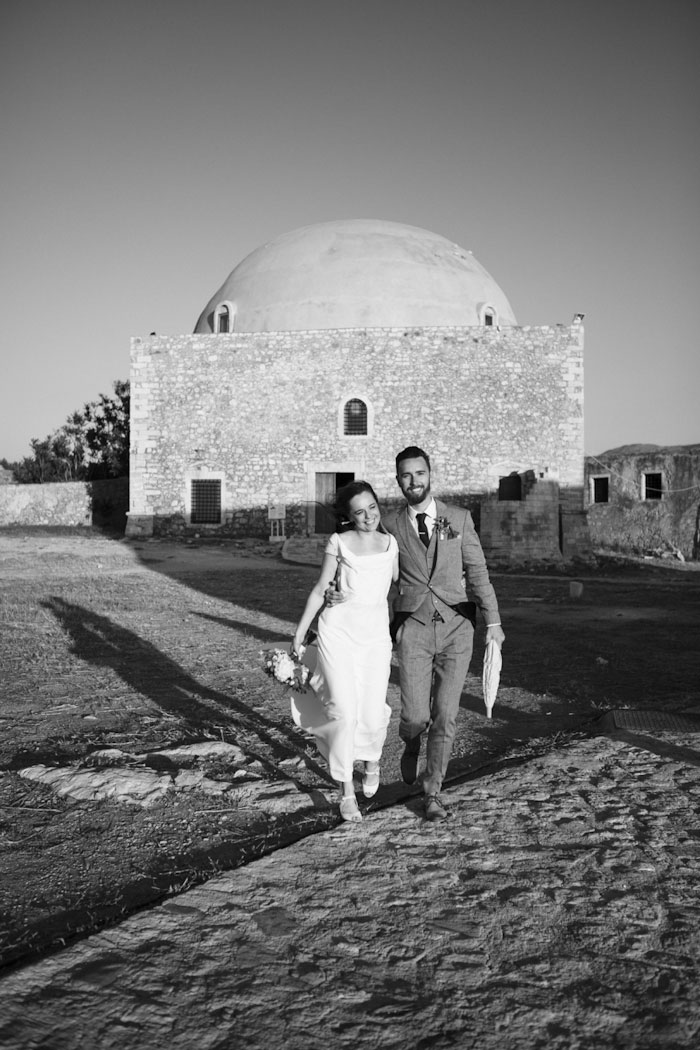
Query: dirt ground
point(137, 664)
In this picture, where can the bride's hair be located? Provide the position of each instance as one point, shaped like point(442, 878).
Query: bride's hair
point(344, 497)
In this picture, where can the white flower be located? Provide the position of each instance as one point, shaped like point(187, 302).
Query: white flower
point(284, 669)
point(445, 530)
point(284, 665)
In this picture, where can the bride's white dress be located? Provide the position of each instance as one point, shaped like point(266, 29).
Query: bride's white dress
point(346, 708)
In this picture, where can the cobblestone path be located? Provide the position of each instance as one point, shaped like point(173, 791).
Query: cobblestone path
point(558, 908)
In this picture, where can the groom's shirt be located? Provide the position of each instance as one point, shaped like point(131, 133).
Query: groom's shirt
point(430, 517)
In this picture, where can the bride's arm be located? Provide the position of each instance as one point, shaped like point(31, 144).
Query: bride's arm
point(315, 600)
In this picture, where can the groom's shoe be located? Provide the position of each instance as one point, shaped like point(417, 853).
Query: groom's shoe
point(434, 809)
point(409, 763)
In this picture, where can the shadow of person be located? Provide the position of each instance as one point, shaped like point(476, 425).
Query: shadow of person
point(472, 702)
point(261, 633)
point(145, 669)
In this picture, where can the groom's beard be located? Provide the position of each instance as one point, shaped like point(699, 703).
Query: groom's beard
point(417, 495)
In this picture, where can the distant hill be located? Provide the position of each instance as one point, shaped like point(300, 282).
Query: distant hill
point(640, 449)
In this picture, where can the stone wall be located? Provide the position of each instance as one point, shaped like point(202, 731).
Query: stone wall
point(527, 529)
point(263, 411)
point(69, 503)
point(630, 523)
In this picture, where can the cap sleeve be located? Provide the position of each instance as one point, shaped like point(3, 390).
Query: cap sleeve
point(332, 546)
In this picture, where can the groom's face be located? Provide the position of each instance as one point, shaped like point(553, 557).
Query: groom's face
point(414, 480)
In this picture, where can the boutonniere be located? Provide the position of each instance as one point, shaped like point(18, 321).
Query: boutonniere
point(445, 530)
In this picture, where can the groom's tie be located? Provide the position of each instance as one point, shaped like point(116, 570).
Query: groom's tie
point(423, 530)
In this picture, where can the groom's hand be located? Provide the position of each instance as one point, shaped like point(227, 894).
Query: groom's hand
point(333, 597)
point(495, 634)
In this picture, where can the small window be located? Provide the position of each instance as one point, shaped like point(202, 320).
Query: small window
point(600, 489)
point(651, 486)
point(488, 319)
point(487, 314)
point(355, 417)
point(223, 319)
point(206, 502)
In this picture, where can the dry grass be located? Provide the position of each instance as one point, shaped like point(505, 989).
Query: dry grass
point(140, 660)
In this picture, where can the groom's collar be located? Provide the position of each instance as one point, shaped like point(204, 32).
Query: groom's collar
point(430, 510)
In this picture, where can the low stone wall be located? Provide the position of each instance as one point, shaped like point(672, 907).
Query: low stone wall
point(516, 531)
point(644, 527)
point(70, 503)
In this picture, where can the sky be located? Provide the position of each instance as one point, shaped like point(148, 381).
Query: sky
point(149, 145)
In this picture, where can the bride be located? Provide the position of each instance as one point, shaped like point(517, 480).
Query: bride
point(348, 713)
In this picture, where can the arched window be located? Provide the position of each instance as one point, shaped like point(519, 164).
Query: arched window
point(488, 315)
point(354, 417)
point(224, 318)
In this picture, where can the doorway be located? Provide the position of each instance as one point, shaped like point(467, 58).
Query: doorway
point(327, 484)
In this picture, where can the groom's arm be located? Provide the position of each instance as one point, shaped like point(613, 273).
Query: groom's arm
point(479, 584)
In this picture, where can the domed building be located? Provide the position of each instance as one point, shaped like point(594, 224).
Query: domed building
point(326, 351)
point(356, 274)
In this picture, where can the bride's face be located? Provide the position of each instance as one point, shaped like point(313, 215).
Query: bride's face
point(364, 512)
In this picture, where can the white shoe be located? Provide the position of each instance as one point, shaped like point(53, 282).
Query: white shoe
point(349, 809)
point(370, 782)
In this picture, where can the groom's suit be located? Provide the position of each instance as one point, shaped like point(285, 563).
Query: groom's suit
point(434, 620)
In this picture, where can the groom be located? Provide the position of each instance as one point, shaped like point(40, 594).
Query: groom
point(433, 620)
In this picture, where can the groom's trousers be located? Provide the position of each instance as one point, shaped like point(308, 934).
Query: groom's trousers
point(434, 659)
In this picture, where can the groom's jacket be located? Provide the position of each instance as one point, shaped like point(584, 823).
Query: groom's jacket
point(452, 571)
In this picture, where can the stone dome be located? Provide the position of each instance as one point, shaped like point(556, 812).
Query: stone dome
point(356, 273)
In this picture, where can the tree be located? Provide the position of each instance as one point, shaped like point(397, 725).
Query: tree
point(9, 466)
point(91, 445)
point(105, 433)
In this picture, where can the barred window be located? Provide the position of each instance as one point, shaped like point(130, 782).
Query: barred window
point(206, 501)
point(355, 417)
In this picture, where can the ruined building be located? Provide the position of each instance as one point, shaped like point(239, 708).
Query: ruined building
point(645, 499)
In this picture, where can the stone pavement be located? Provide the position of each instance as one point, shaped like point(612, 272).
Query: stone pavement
point(558, 908)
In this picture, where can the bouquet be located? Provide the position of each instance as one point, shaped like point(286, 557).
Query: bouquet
point(285, 669)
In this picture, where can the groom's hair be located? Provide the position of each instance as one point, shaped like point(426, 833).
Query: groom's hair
point(412, 452)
